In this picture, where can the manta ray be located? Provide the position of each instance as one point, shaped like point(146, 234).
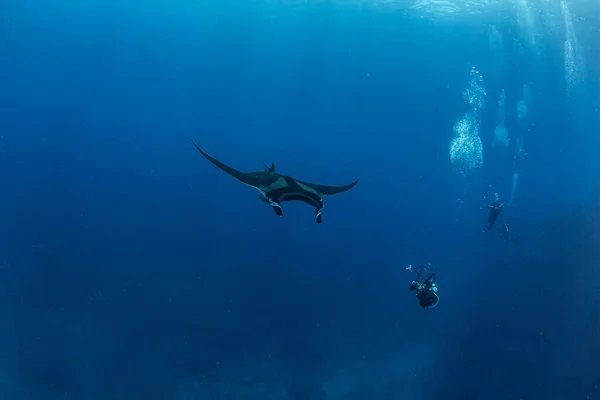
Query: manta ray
point(275, 188)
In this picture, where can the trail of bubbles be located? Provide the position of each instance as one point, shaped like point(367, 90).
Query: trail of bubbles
point(574, 62)
point(475, 92)
point(502, 107)
point(501, 136)
point(523, 107)
point(466, 148)
point(501, 133)
point(496, 44)
point(519, 152)
point(527, 24)
point(513, 186)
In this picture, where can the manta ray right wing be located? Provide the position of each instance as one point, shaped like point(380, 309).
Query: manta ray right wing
point(326, 190)
point(240, 176)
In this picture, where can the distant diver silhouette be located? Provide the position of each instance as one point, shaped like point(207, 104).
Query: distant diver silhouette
point(495, 209)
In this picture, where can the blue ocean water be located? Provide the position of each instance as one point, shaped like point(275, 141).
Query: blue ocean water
point(132, 268)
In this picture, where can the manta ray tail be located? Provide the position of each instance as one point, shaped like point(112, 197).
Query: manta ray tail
point(231, 171)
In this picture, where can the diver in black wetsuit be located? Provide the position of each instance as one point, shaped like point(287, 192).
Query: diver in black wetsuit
point(505, 233)
point(426, 288)
point(495, 209)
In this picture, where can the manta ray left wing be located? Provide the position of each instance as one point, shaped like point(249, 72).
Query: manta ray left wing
point(328, 190)
point(240, 176)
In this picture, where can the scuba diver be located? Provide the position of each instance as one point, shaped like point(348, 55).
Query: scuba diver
point(495, 209)
point(426, 288)
point(505, 233)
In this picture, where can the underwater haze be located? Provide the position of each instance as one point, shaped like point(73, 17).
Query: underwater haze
point(133, 268)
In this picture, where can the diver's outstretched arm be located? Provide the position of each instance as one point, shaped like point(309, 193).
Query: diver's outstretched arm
point(418, 270)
